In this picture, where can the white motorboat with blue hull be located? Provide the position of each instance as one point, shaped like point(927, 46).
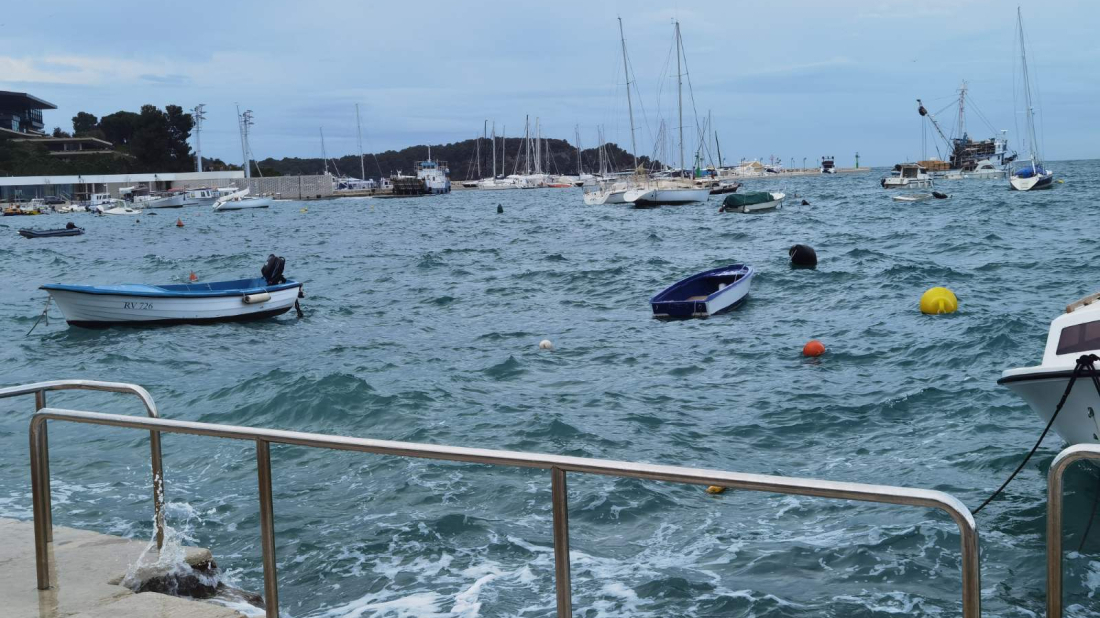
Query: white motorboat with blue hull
point(1073, 334)
point(95, 306)
point(705, 294)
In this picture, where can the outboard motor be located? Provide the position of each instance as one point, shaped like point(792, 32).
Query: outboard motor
point(940, 196)
point(273, 270)
point(70, 225)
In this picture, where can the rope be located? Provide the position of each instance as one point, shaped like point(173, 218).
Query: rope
point(45, 314)
point(1085, 362)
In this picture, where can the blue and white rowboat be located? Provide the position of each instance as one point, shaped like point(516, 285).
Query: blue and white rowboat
point(705, 294)
point(96, 306)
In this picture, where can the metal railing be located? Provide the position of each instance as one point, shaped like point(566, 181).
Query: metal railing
point(38, 389)
point(557, 465)
point(1058, 467)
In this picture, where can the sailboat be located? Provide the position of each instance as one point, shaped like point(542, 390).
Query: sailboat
point(1035, 175)
point(613, 190)
point(679, 189)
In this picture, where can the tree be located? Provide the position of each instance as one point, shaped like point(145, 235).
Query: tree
point(57, 132)
point(179, 131)
point(119, 127)
point(84, 123)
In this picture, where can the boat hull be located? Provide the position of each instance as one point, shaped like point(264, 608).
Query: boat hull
point(244, 204)
point(1032, 183)
point(103, 310)
point(1042, 388)
point(665, 197)
point(76, 231)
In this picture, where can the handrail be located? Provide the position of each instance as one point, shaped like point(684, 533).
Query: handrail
point(39, 390)
point(557, 464)
point(1058, 467)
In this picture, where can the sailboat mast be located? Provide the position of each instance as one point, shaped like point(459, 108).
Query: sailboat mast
point(680, 96)
point(1027, 90)
point(719, 148)
point(484, 133)
point(494, 149)
point(359, 128)
point(577, 134)
point(324, 155)
point(629, 104)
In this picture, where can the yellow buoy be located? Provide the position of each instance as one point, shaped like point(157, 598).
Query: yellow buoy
point(1061, 182)
point(715, 489)
point(938, 300)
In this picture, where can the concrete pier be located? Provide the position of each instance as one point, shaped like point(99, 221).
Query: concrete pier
point(81, 566)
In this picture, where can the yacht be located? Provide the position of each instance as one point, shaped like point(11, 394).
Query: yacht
point(907, 176)
point(1034, 175)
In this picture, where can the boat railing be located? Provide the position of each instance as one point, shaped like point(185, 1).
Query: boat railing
point(39, 389)
point(557, 465)
point(1063, 461)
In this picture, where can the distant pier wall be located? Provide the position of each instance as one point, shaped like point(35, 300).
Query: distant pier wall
point(286, 187)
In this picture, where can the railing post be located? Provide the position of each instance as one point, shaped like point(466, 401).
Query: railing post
point(562, 583)
point(44, 464)
point(267, 528)
point(158, 486)
point(38, 506)
point(1054, 535)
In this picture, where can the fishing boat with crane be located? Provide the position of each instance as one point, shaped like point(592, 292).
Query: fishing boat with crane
point(1031, 175)
point(967, 158)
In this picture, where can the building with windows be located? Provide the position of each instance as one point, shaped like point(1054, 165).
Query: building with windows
point(21, 121)
point(81, 187)
point(21, 114)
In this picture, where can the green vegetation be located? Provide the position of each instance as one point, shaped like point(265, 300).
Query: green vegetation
point(153, 140)
point(156, 140)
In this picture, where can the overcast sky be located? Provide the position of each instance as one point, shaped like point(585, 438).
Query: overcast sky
point(783, 78)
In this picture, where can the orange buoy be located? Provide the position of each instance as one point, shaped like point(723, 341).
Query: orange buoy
point(193, 276)
point(813, 348)
point(179, 223)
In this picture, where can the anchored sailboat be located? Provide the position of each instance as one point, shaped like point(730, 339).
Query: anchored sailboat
point(612, 191)
point(680, 189)
point(1034, 175)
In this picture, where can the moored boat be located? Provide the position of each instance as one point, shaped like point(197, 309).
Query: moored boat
point(1034, 175)
point(1073, 334)
point(667, 193)
point(96, 306)
point(754, 201)
point(704, 294)
point(907, 176)
point(69, 230)
point(241, 200)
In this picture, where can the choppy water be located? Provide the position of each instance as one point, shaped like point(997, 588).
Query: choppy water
point(423, 319)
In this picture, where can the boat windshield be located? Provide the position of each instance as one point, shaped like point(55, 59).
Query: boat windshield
point(1079, 338)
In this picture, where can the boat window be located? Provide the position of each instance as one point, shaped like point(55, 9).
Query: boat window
point(1079, 338)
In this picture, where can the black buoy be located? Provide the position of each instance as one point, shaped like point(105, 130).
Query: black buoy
point(805, 203)
point(500, 209)
point(940, 196)
point(803, 256)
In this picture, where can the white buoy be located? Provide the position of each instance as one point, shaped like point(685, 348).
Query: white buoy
point(546, 345)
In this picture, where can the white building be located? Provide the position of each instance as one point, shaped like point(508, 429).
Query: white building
point(81, 187)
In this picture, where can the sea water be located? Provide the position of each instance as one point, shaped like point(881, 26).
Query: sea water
point(422, 323)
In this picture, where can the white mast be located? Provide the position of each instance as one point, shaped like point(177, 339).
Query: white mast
point(1027, 93)
point(324, 155)
point(680, 96)
point(199, 116)
point(629, 104)
point(359, 127)
point(484, 133)
point(577, 134)
point(494, 149)
point(527, 143)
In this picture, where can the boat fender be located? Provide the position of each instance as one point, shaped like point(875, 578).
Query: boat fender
point(715, 489)
point(545, 344)
point(940, 196)
point(256, 299)
point(803, 256)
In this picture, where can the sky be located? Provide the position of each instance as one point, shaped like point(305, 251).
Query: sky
point(788, 79)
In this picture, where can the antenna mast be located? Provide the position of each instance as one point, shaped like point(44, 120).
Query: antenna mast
point(199, 116)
